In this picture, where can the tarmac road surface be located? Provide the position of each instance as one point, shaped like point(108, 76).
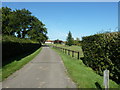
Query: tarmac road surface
point(46, 70)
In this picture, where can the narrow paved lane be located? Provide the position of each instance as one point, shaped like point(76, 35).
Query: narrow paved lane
point(44, 71)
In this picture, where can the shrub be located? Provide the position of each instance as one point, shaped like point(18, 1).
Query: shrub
point(13, 47)
point(102, 51)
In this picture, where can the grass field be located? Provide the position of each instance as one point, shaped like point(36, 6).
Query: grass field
point(82, 75)
point(73, 47)
point(16, 65)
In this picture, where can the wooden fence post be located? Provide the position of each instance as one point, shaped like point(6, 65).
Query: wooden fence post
point(78, 55)
point(65, 50)
point(68, 52)
point(72, 53)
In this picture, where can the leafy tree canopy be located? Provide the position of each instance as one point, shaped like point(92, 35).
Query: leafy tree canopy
point(22, 24)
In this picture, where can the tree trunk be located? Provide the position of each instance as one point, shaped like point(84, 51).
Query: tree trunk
point(19, 35)
point(23, 33)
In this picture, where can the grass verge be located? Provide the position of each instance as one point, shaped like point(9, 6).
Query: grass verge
point(82, 75)
point(73, 47)
point(9, 69)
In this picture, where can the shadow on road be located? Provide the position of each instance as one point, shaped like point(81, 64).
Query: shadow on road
point(45, 45)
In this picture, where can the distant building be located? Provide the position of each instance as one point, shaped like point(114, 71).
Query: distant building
point(49, 42)
point(58, 42)
point(54, 42)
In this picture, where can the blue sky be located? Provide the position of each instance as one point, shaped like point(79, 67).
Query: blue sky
point(59, 0)
point(81, 18)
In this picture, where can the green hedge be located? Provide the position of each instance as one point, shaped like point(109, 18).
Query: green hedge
point(8, 38)
point(102, 51)
point(14, 48)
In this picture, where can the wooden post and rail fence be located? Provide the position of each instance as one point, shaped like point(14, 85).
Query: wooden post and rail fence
point(68, 51)
point(105, 74)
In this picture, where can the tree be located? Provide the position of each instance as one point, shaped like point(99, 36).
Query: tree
point(6, 29)
point(77, 41)
point(22, 24)
point(0, 21)
point(70, 40)
point(58, 41)
point(15, 21)
point(37, 31)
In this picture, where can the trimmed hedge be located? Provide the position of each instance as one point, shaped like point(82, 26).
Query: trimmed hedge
point(8, 38)
point(15, 48)
point(102, 51)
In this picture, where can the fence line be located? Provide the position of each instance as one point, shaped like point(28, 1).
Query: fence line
point(68, 51)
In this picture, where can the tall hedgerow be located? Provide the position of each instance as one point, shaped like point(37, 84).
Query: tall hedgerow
point(102, 51)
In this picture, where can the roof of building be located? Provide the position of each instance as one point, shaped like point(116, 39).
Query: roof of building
point(49, 41)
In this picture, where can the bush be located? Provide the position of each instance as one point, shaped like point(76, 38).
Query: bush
point(16, 48)
point(102, 51)
point(7, 38)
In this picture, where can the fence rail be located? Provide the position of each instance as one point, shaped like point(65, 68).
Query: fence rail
point(69, 52)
